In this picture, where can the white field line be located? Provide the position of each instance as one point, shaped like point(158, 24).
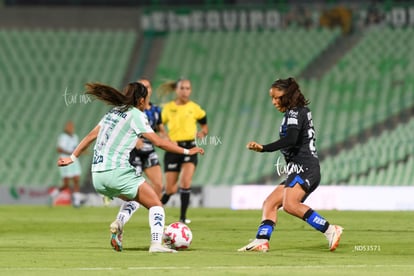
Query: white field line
point(203, 267)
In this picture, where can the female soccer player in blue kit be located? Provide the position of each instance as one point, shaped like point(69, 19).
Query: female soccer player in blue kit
point(297, 144)
point(143, 157)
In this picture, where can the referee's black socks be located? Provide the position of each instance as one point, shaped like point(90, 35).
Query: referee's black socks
point(185, 201)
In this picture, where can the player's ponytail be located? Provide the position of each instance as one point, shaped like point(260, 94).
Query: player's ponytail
point(167, 88)
point(130, 96)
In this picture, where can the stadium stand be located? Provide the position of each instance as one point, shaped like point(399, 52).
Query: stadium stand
point(43, 72)
point(231, 74)
point(381, 160)
point(371, 83)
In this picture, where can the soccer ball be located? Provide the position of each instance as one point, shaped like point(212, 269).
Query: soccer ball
point(178, 236)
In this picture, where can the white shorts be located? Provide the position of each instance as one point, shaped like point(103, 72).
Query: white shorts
point(71, 170)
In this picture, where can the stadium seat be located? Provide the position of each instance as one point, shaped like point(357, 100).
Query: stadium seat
point(37, 66)
point(387, 153)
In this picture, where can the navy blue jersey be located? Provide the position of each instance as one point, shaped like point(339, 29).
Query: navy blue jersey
point(154, 119)
point(154, 116)
point(305, 149)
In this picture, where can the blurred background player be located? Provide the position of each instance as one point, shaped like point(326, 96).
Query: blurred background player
point(67, 142)
point(181, 117)
point(143, 157)
point(112, 174)
point(297, 143)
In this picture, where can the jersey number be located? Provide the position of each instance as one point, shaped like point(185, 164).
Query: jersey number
point(312, 143)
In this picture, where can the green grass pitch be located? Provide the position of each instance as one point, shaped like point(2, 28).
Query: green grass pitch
point(67, 241)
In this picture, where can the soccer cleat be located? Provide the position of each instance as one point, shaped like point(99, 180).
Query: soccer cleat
point(159, 248)
point(116, 235)
point(334, 236)
point(260, 245)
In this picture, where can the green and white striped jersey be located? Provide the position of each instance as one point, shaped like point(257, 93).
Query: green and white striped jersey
point(117, 136)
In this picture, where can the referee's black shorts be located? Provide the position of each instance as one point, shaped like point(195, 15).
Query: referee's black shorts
point(173, 161)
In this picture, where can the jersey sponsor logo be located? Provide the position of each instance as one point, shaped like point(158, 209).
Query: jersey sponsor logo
point(293, 114)
point(147, 146)
point(172, 166)
point(292, 121)
point(121, 114)
point(307, 183)
point(97, 159)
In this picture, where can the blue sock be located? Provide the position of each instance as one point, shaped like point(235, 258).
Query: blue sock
point(316, 221)
point(265, 230)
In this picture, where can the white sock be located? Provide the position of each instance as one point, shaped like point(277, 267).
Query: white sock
point(126, 211)
point(77, 198)
point(156, 221)
point(55, 192)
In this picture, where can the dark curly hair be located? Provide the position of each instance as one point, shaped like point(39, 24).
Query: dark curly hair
point(292, 96)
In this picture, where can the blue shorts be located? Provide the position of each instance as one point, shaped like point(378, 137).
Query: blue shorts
point(113, 183)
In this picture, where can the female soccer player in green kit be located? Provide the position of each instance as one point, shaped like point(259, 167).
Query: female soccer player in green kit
point(112, 174)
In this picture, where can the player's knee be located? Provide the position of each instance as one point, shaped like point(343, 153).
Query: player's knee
point(272, 203)
point(157, 185)
point(185, 182)
point(171, 189)
point(185, 185)
point(291, 207)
